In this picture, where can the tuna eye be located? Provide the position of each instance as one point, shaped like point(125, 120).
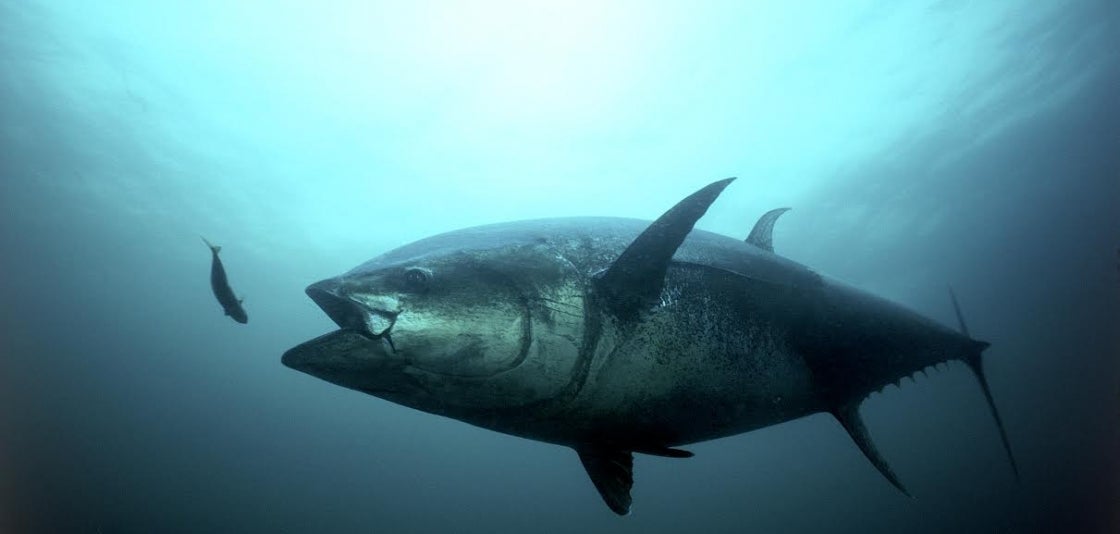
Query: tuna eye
point(416, 280)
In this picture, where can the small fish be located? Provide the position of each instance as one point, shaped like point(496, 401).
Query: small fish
point(220, 284)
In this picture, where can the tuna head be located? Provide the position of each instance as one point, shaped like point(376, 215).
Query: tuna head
point(460, 331)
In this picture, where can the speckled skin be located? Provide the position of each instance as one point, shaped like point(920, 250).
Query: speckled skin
point(503, 329)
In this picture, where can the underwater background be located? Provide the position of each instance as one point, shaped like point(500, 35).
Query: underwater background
point(921, 144)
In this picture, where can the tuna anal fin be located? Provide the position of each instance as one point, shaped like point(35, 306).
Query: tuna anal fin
point(849, 418)
point(635, 280)
point(612, 472)
point(762, 235)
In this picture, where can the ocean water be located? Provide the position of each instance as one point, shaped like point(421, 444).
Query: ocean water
point(920, 144)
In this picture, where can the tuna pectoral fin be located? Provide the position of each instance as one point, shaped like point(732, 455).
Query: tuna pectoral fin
point(665, 452)
point(612, 472)
point(849, 417)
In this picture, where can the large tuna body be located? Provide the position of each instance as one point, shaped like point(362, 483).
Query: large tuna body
point(615, 336)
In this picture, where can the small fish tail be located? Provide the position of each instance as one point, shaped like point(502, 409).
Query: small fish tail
point(216, 249)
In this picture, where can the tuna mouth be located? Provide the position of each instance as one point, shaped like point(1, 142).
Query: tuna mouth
point(373, 324)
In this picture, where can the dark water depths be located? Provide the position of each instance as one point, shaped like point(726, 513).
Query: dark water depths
point(921, 144)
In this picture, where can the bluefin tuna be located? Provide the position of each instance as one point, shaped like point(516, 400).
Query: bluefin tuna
point(617, 336)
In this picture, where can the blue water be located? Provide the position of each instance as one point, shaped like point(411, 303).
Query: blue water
point(920, 144)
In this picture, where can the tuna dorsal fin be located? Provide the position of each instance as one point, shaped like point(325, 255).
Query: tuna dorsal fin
point(762, 235)
point(974, 362)
point(634, 281)
point(612, 472)
point(849, 418)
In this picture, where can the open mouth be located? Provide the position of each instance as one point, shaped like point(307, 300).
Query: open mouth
point(372, 324)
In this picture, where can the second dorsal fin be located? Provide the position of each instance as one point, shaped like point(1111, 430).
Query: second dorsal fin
point(762, 235)
point(634, 281)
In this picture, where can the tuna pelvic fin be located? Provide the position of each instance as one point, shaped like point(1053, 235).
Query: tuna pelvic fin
point(973, 360)
point(762, 235)
point(634, 281)
point(849, 418)
point(612, 472)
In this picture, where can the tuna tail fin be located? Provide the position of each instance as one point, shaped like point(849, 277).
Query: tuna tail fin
point(216, 249)
point(973, 361)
